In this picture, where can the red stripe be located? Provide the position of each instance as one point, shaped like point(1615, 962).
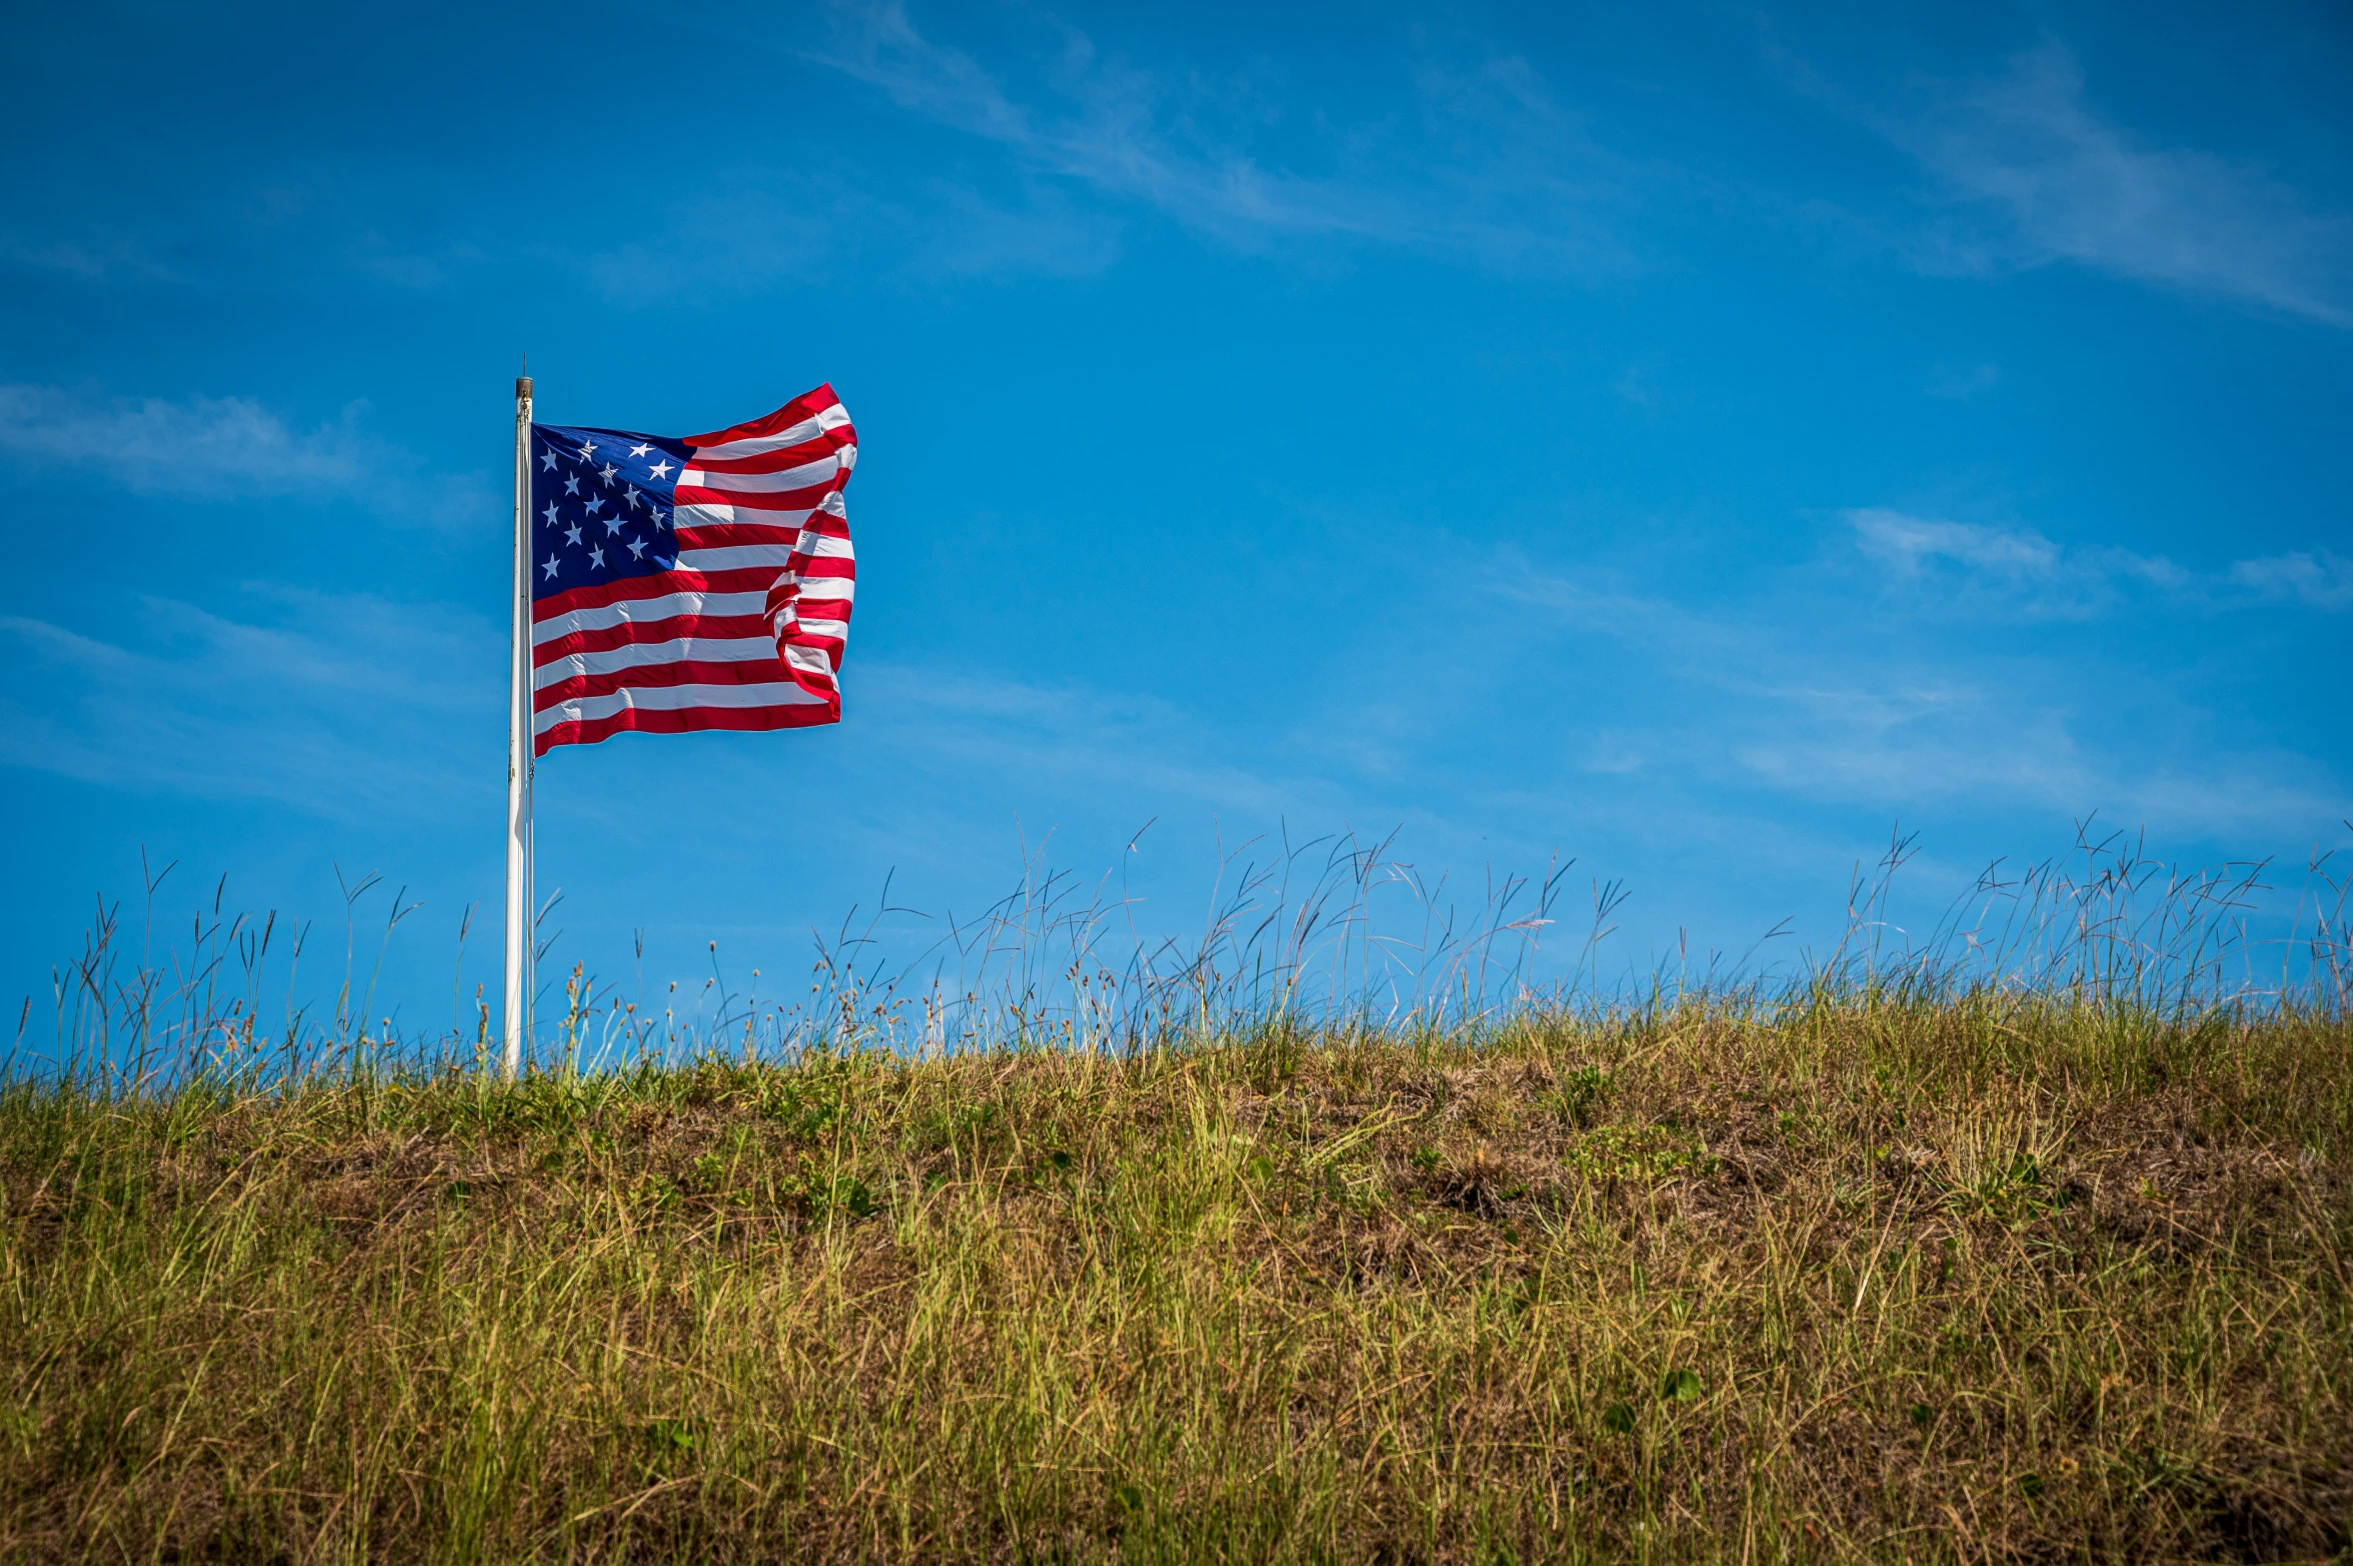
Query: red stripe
point(828, 644)
point(629, 589)
point(804, 499)
point(709, 534)
point(817, 450)
point(653, 676)
point(806, 406)
point(720, 535)
point(632, 633)
point(810, 587)
point(688, 721)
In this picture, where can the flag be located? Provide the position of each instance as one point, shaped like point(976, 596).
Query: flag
point(695, 583)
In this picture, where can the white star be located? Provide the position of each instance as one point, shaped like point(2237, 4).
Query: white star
point(572, 534)
point(596, 504)
point(547, 458)
point(612, 524)
point(550, 513)
point(552, 562)
point(586, 447)
point(571, 483)
point(657, 511)
point(639, 451)
point(660, 468)
point(634, 497)
point(607, 474)
point(636, 549)
point(596, 558)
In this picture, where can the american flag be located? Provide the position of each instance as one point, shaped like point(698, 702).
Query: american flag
point(696, 583)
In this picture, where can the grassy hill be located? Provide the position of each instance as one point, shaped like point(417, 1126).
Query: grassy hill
point(1994, 1277)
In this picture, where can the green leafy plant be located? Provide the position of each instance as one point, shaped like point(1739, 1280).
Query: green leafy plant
point(1639, 1153)
point(1581, 1092)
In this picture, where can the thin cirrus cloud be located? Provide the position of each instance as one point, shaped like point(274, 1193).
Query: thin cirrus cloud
point(1791, 718)
point(2318, 577)
point(1000, 729)
point(89, 259)
point(330, 703)
point(1785, 704)
point(2059, 182)
point(1530, 189)
point(1973, 745)
point(1103, 131)
point(228, 448)
point(2045, 575)
point(824, 224)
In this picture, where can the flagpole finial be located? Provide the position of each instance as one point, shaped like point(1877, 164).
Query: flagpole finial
point(522, 387)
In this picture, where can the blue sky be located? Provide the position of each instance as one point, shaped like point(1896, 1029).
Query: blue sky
point(1692, 439)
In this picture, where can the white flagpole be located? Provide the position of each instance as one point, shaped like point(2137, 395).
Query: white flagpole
point(519, 954)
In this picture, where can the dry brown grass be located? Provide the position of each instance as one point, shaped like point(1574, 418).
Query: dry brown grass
point(1990, 1279)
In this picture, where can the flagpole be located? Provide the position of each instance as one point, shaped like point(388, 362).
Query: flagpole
point(519, 953)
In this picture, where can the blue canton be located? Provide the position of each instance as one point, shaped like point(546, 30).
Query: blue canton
point(601, 506)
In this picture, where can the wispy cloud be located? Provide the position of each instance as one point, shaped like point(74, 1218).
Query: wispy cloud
point(337, 705)
point(2062, 183)
point(1906, 542)
point(1009, 728)
point(1105, 129)
point(90, 259)
point(740, 231)
point(1960, 382)
point(229, 448)
point(1782, 695)
point(1975, 744)
point(1522, 183)
point(2043, 576)
point(2315, 577)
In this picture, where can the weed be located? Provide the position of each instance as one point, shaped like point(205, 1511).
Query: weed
point(1175, 1307)
point(2040, 1255)
point(1638, 1153)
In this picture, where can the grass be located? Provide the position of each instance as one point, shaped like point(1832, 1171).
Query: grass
point(1995, 1275)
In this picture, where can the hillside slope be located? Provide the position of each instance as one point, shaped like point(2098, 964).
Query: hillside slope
point(1993, 1278)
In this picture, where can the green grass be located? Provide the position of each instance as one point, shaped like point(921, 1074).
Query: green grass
point(1992, 1278)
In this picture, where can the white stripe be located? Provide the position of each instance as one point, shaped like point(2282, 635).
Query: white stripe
point(721, 516)
point(637, 655)
point(735, 558)
point(812, 659)
point(807, 476)
point(824, 546)
point(832, 418)
point(674, 698)
point(838, 630)
point(645, 611)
